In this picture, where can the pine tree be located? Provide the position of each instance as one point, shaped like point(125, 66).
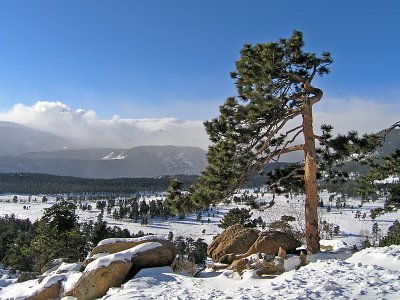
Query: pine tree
point(134, 214)
point(178, 202)
point(274, 83)
point(57, 235)
point(376, 233)
point(368, 185)
point(236, 216)
point(393, 235)
point(153, 208)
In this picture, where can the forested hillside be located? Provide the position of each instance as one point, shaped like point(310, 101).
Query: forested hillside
point(29, 183)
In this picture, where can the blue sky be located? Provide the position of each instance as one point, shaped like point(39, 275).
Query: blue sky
point(127, 73)
point(144, 59)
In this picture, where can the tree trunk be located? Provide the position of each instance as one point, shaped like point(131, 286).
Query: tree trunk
point(310, 180)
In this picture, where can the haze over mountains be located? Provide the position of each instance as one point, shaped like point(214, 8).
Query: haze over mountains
point(17, 139)
point(23, 149)
point(27, 150)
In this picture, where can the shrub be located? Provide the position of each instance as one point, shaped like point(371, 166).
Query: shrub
point(184, 265)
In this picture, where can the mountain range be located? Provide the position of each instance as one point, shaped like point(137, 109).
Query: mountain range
point(24, 149)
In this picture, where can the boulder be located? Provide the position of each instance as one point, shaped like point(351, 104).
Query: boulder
point(47, 293)
point(115, 245)
point(49, 288)
point(270, 242)
point(92, 258)
point(239, 265)
point(236, 239)
point(158, 257)
point(263, 265)
point(95, 284)
point(114, 269)
point(270, 269)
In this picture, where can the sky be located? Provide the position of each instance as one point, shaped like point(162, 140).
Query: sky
point(165, 63)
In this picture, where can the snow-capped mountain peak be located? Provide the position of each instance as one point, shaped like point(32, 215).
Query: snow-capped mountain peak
point(112, 156)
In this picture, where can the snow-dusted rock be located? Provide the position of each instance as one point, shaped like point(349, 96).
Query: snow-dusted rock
point(48, 288)
point(96, 282)
point(113, 269)
point(114, 245)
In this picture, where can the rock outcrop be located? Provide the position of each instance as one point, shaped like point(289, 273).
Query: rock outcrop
point(239, 241)
point(263, 264)
point(104, 272)
point(113, 269)
point(114, 245)
point(235, 240)
point(95, 284)
point(270, 242)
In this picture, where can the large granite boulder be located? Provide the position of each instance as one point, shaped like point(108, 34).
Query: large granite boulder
point(114, 245)
point(235, 240)
point(95, 283)
point(270, 242)
point(158, 257)
point(113, 269)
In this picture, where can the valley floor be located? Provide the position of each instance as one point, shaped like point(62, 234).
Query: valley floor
point(373, 273)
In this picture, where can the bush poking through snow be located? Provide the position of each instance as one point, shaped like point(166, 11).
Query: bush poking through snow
point(184, 265)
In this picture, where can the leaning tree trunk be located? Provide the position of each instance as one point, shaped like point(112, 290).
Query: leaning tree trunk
point(310, 180)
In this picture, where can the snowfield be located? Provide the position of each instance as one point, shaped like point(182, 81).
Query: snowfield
point(352, 230)
point(373, 273)
point(363, 276)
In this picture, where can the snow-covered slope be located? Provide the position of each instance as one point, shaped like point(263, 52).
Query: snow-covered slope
point(361, 277)
point(372, 273)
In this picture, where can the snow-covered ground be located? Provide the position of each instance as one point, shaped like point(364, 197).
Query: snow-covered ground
point(373, 273)
point(366, 275)
point(352, 230)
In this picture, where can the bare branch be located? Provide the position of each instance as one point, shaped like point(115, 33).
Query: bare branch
point(294, 171)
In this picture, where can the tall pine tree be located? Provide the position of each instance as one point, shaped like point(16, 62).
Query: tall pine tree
point(274, 84)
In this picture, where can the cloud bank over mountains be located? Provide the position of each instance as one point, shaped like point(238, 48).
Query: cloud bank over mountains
point(86, 130)
point(353, 113)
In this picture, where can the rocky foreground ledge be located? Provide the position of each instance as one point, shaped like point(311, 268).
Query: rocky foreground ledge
point(111, 263)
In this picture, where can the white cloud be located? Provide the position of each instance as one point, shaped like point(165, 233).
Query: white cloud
point(87, 130)
point(364, 116)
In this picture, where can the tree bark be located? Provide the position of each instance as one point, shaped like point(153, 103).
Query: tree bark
point(310, 180)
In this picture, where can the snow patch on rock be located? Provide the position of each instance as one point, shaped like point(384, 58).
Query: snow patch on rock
point(125, 255)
